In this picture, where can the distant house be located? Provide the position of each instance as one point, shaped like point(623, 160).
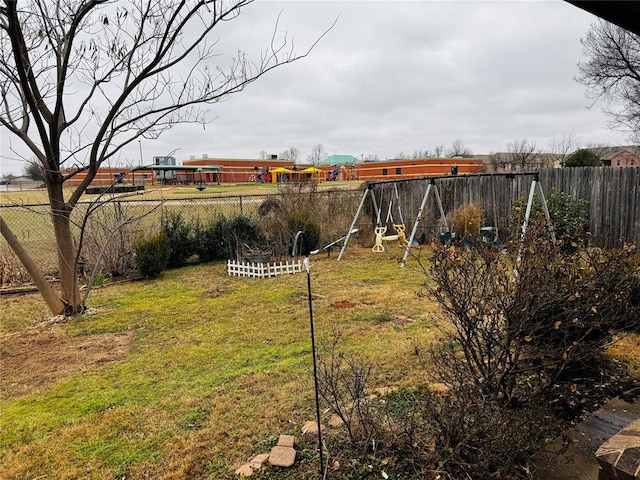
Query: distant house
point(509, 162)
point(621, 156)
point(26, 182)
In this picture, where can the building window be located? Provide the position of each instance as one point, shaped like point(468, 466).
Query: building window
point(618, 162)
point(384, 171)
point(398, 170)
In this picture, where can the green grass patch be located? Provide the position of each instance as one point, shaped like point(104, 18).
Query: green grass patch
point(217, 367)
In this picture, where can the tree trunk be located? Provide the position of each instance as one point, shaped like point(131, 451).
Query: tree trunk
point(51, 298)
point(67, 259)
point(67, 264)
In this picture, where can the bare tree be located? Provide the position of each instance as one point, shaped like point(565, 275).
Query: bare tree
point(612, 73)
point(262, 155)
point(562, 145)
point(34, 170)
point(81, 79)
point(317, 154)
point(458, 149)
point(521, 153)
point(439, 151)
point(498, 161)
point(290, 154)
point(417, 154)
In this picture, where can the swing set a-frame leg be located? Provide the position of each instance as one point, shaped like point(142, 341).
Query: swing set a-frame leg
point(355, 219)
point(432, 186)
point(523, 230)
point(534, 183)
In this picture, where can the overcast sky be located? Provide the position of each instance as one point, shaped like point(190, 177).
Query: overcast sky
point(395, 77)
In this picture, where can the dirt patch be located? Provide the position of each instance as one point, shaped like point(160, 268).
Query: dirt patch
point(38, 357)
point(403, 320)
point(343, 305)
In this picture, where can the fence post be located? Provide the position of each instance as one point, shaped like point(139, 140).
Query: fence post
point(240, 197)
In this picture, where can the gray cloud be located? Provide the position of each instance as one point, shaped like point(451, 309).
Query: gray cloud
point(398, 76)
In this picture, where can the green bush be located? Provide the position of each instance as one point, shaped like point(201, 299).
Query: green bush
point(152, 255)
point(209, 240)
point(297, 222)
point(242, 233)
point(569, 215)
point(226, 238)
point(179, 234)
point(583, 158)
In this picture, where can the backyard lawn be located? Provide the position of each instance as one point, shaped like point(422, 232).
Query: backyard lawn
point(191, 375)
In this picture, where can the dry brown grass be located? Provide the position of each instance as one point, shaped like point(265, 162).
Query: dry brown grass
point(466, 220)
point(213, 368)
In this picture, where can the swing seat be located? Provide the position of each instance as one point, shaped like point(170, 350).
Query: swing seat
point(487, 235)
point(446, 237)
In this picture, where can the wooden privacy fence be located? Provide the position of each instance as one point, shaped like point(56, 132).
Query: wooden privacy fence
point(613, 194)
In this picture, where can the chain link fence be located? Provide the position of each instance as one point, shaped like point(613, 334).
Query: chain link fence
point(117, 223)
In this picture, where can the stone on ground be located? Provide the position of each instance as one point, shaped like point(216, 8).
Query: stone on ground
point(335, 421)
point(311, 427)
point(245, 470)
point(286, 441)
point(282, 456)
point(259, 460)
point(254, 464)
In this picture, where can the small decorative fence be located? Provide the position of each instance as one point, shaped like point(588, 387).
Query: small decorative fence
point(262, 270)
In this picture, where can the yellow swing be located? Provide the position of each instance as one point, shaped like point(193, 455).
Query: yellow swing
point(399, 229)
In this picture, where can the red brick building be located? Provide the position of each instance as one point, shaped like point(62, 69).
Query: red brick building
point(622, 156)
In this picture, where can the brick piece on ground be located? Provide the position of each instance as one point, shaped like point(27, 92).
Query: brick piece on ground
point(257, 461)
point(311, 427)
point(282, 456)
point(335, 421)
point(245, 470)
point(286, 441)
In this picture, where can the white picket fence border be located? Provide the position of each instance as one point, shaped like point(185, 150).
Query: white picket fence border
point(262, 270)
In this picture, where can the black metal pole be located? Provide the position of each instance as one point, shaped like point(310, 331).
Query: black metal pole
point(315, 368)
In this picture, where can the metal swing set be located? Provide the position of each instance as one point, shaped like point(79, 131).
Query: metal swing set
point(432, 188)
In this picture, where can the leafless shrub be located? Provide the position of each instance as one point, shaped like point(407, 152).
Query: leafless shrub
point(522, 316)
point(476, 437)
point(11, 270)
point(109, 238)
point(467, 220)
point(298, 203)
point(342, 384)
point(461, 434)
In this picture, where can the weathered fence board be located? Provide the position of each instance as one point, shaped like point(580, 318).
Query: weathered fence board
point(613, 195)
